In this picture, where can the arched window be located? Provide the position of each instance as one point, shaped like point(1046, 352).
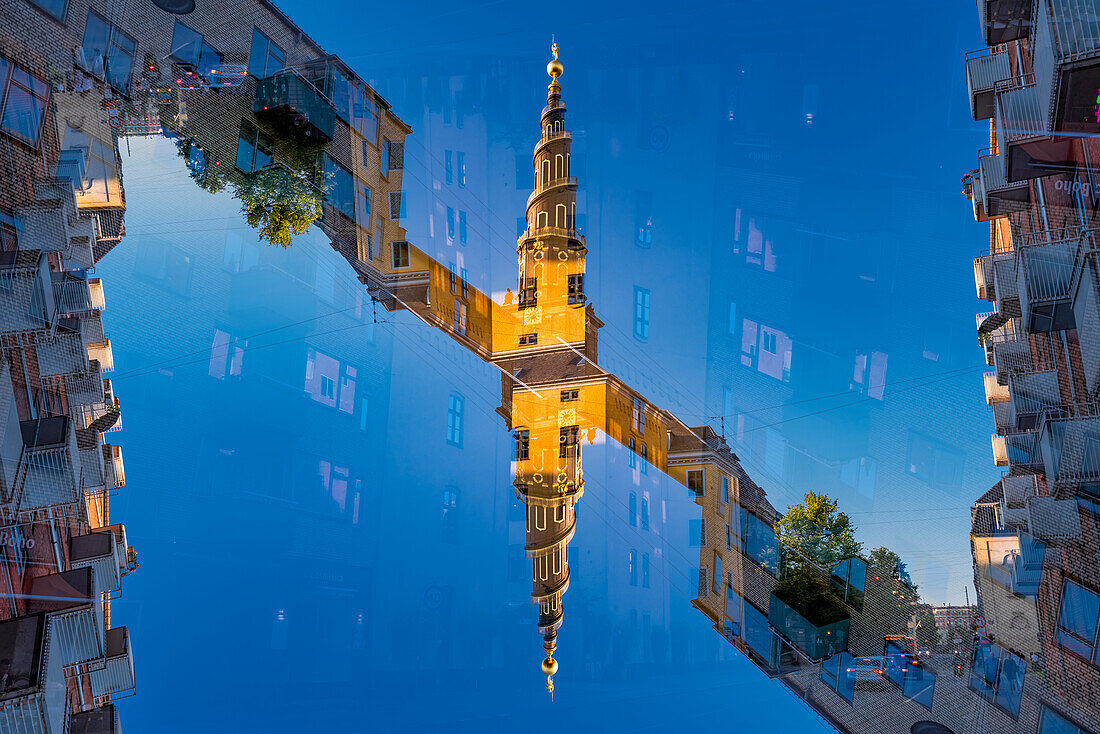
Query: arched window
point(559, 215)
point(645, 512)
point(545, 172)
point(542, 219)
point(633, 509)
point(559, 166)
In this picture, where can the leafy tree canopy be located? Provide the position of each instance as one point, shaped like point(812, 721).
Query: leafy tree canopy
point(818, 531)
point(279, 204)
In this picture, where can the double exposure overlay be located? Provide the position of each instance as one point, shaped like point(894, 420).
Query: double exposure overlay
point(598, 367)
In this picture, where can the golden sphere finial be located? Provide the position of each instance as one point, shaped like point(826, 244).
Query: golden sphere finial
point(555, 67)
point(549, 666)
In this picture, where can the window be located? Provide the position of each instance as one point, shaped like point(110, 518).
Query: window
point(576, 288)
point(759, 541)
point(189, 47)
point(645, 458)
point(641, 313)
point(528, 339)
point(450, 515)
point(645, 512)
point(528, 293)
point(364, 404)
point(456, 406)
point(637, 415)
point(55, 8)
point(630, 457)
point(254, 149)
point(378, 236)
point(265, 58)
point(697, 532)
point(767, 339)
point(568, 441)
point(393, 156)
point(340, 188)
point(1077, 621)
point(725, 489)
point(729, 536)
point(695, 481)
point(645, 572)
point(733, 319)
point(450, 223)
point(226, 355)
point(397, 205)
point(461, 169)
point(523, 444)
point(716, 582)
point(363, 214)
point(466, 284)
point(400, 254)
point(9, 231)
point(107, 52)
point(347, 389)
point(448, 177)
point(997, 675)
point(462, 227)
point(24, 98)
point(934, 462)
point(460, 317)
point(334, 484)
point(1052, 722)
point(704, 586)
point(454, 279)
point(568, 395)
point(848, 579)
point(643, 218)
point(323, 375)
point(633, 565)
point(632, 509)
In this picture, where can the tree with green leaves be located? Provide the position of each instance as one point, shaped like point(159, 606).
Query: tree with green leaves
point(279, 204)
point(927, 632)
point(817, 531)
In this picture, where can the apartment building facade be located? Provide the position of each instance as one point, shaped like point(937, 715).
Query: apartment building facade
point(1035, 185)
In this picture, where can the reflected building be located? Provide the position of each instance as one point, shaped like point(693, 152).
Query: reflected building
point(1035, 538)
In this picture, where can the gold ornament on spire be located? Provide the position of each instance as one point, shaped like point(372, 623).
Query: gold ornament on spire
point(555, 67)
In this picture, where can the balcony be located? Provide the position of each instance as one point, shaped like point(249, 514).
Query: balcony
point(1010, 356)
point(104, 719)
point(53, 464)
point(994, 391)
point(1004, 20)
point(1071, 450)
point(25, 282)
point(1026, 570)
point(116, 679)
point(817, 641)
point(126, 552)
point(1027, 148)
point(1030, 395)
point(984, 69)
point(99, 551)
point(1085, 293)
point(72, 603)
point(294, 106)
point(1018, 451)
point(71, 294)
point(1044, 271)
point(35, 700)
point(102, 353)
point(1067, 65)
point(61, 352)
point(992, 191)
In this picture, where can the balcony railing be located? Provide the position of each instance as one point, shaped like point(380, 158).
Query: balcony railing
point(303, 105)
point(71, 295)
point(1085, 294)
point(116, 679)
point(553, 135)
point(71, 600)
point(1018, 451)
point(1031, 394)
point(99, 551)
point(1044, 271)
point(1027, 566)
point(572, 234)
point(1071, 450)
point(998, 197)
point(994, 391)
point(53, 474)
point(984, 68)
